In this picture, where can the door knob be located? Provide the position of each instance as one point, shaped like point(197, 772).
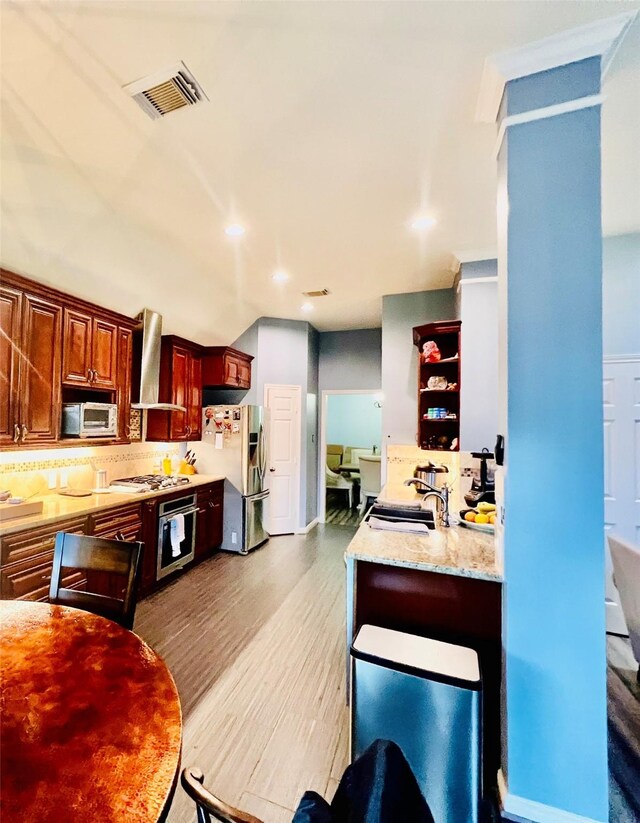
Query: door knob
point(271, 470)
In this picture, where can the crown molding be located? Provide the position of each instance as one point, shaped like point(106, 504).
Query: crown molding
point(599, 38)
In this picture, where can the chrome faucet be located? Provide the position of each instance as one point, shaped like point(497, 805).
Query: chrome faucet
point(440, 494)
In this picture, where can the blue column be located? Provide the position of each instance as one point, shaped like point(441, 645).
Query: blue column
point(554, 613)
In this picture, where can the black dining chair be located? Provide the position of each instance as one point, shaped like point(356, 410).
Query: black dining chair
point(208, 806)
point(101, 559)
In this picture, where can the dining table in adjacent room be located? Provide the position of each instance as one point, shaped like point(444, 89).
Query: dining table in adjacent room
point(91, 726)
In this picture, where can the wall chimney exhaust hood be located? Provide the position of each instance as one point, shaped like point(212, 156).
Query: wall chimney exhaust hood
point(145, 377)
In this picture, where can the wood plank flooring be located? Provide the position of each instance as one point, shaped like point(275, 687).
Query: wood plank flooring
point(340, 515)
point(256, 646)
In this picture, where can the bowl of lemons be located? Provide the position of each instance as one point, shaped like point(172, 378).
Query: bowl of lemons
point(482, 518)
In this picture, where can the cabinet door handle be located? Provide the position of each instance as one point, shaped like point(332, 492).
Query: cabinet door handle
point(16, 432)
point(25, 432)
point(94, 372)
point(188, 431)
point(46, 577)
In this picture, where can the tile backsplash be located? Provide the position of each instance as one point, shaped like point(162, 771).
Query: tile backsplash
point(402, 461)
point(40, 471)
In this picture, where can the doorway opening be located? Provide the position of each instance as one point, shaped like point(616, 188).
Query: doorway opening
point(349, 460)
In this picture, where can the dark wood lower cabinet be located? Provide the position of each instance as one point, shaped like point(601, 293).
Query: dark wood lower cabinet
point(26, 557)
point(461, 610)
point(209, 523)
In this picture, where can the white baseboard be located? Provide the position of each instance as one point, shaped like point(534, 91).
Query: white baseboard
point(308, 527)
point(520, 809)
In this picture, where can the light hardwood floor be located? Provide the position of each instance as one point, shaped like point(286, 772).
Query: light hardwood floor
point(256, 646)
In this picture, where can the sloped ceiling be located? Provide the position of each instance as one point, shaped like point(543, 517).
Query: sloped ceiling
point(329, 126)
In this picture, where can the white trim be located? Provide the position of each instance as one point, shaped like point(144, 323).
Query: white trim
point(298, 456)
point(621, 358)
point(536, 812)
point(546, 112)
point(308, 527)
point(599, 38)
point(489, 279)
point(322, 451)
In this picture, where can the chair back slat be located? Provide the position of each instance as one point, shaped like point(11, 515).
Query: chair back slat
point(96, 554)
point(208, 805)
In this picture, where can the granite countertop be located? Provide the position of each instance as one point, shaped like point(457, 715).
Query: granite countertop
point(57, 507)
point(455, 550)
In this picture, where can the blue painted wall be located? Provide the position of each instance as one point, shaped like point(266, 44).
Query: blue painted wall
point(478, 303)
point(350, 359)
point(621, 294)
point(354, 420)
point(400, 313)
point(554, 626)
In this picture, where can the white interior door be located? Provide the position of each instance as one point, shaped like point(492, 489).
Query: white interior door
point(621, 395)
point(283, 475)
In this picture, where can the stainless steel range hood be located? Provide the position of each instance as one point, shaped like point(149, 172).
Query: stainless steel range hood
point(145, 377)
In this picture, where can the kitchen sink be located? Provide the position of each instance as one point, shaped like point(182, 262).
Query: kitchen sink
point(397, 515)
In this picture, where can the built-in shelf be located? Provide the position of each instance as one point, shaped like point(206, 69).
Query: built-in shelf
point(446, 335)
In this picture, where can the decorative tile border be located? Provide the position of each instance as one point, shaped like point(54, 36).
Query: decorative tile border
point(35, 465)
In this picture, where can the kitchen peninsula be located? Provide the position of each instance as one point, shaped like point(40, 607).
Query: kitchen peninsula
point(445, 585)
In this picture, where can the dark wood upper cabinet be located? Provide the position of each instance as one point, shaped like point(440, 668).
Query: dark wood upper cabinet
point(10, 331)
point(439, 386)
point(224, 367)
point(104, 349)
point(123, 372)
point(180, 383)
point(52, 347)
point(30, 345)
point(89, 351)
point(194, 401)
point(40, 396)
point(76, 356)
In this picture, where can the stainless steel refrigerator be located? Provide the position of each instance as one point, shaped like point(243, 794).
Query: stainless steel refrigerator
point(234, 444)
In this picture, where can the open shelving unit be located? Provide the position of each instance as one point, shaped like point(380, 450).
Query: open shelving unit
point(439, 434)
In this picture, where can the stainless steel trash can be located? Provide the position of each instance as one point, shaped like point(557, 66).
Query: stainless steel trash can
point(426, 696)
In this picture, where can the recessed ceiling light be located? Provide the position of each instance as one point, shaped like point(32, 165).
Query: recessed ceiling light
point(307, 307)
point(423, 222)
point(234, 230)
point(280, 276)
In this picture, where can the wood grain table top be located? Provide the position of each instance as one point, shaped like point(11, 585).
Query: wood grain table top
point(91, 720)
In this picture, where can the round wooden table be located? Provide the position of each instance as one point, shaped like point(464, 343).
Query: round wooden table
point(91, 720)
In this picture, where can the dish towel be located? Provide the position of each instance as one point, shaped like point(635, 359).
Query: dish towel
point(391, 526)
point(392, 503)
point(176, 533)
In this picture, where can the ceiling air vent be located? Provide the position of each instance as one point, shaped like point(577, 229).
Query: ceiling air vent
point(320, 293)
point(165, 91)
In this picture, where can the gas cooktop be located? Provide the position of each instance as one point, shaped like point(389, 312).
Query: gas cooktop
point(147, 483)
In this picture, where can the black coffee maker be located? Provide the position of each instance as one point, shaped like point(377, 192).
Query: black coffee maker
point(483, 489)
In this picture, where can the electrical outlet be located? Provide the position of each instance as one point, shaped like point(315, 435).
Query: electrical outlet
point(234, 537)
point(52, 479)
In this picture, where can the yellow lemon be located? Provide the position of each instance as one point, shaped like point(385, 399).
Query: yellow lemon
point(482, 518)
point(492, 519)
point(470, 517)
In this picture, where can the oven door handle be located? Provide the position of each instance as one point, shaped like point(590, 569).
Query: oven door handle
point(171, 516)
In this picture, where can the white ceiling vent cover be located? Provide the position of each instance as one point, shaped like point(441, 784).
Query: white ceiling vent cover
point(167, 90)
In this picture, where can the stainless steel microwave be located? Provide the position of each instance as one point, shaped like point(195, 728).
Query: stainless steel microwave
point(90, 419)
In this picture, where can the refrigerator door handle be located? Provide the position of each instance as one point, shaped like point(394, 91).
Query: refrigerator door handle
point(263, 454)
point(259, 496)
